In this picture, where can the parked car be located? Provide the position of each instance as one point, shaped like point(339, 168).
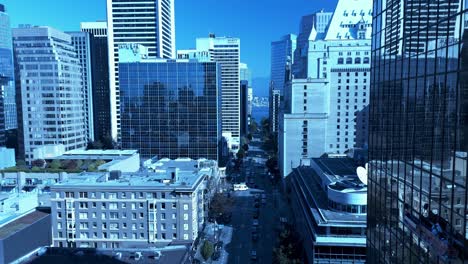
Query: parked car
point(257, 204)
point(255, 222)
point(219, 245)
point(256, 214)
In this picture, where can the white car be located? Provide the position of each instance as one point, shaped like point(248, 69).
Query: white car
point(240, 187)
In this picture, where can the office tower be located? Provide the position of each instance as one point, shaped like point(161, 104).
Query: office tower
point(170, 108)
point(274, 109)
point(329, 204)
point(100, 79)
point(282, 53)
point(132, 210)
point(319, 22)
point(82, 43)
point(244, 107)
point(282, 56)
point(7, 79)
point(50, 90)
point(226, 51)
point(321, 113)
point(150, 23)
point(245, 99)
point(418, 133)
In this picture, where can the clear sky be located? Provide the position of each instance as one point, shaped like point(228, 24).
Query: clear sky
point(255, 22)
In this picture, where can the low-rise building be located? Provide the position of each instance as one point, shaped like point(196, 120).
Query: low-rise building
point(128, 210)
point(330, 206)
point(23, 229)
point(111, 159)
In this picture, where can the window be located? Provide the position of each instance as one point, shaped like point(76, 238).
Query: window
point(83, 215)
point(185, 217)
point(163, 216)
point(83, 195)
point(185, 206)
point(163, 226)
point(112, 195)
point(174, 216)
point(163, 205)
point(186, 227)
point(114, 215)
point(340, 60)
point(366, 60)
point(174, 205)
point(59, 215)
point(349, 60)
point(84, 225)
point(113, 206)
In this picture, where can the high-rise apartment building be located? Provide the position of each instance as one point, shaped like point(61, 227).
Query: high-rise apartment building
point(245, 76)
point(100, 79)
point(327, 112)
point(50, 90)
point(226, 51)
point(82, 43)
point(170, 108)
point(8, 118)
point(282, 57)
point(418, 137)
point(150, 23)
point(319, 22)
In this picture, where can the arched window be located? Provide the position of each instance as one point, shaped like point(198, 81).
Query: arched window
point(357, 60)
point(349, 60)
point(340, 60)
point(366, 60)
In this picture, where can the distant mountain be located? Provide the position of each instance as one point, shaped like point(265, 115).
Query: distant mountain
point(260, 86)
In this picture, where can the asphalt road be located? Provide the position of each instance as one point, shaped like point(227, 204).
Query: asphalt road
point(242, 218)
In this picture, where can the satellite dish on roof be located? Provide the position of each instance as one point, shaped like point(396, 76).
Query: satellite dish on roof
point(362, 173)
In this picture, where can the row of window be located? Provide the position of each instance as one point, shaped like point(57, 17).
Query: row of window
point(357, 60)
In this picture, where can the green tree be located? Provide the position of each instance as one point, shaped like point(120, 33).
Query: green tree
point(55, 165)
point(38, 163)
point(207, 250)
point(35, 169)
point(220, 204)
point(241, 153)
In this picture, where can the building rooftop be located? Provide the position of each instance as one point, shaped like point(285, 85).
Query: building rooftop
point(319, 204)
point(183, 179)
point(20, 223)
point(96, 154)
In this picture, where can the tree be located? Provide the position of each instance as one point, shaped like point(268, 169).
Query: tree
point(241, 153)
point(207, 250)
point(95, 145)
point(253, 127)
point(249, 137)
point(55, 165)
point(245, 147)
point(38, 163)
point(220, 204)
point(71, 165)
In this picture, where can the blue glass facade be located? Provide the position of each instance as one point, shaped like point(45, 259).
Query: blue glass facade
point(418, 136)
point(171, 109)
point(7, 79)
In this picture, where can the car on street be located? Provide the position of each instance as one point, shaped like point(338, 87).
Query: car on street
point(255, 222)
point(253, 255)
point(257, 204)
point(216, 255)
point(256, 214)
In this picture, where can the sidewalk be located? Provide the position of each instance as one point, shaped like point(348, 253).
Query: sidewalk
point(224, 234)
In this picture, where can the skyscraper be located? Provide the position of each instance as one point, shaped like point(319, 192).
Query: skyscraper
point(418, 138)
point(245, 76)
point(319, 22)
point(170, 108)
point(282, 53)
point(226, 51)
point(82, 43)
point(100, 79)
point(282, 57)
point(7, 79)
point(326, 112)
point(49, 88)
point(150, 23)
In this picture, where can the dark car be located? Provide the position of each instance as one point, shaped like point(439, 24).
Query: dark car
point(219, 245)
point(253, 255)
point(254, 236)
point(256, 214)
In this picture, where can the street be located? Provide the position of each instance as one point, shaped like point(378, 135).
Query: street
point(269, 211)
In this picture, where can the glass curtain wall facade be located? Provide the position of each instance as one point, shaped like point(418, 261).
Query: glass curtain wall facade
point(100, 79)
point(8, 119)
point(418, 138)
point(171, 109)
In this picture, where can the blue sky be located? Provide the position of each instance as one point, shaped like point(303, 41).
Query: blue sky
point(255, 22)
